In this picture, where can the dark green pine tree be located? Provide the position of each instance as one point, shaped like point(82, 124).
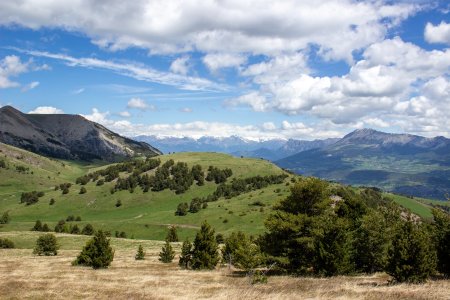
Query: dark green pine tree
point(45, 228)
point(97, 253)
point(332, 247)
point(412, 257)
point(442, 241)
point(167, 254)
point(140, 255)
point(172, 235)
point(371, 243)
point(186, 255)
point(37, 226)
point(5, 218)
point(205, 254)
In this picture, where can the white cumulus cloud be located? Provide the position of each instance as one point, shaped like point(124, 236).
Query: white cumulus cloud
point(438, 34)
point(46, 110)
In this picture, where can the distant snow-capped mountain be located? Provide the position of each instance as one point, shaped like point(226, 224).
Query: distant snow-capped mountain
point(271, 149)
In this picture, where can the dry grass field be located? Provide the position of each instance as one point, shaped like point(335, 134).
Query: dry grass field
point(25, 276)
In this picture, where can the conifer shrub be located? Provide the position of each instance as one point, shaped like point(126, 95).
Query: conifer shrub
point(45, 228)
point(97, 253)
point(5, 218)
point(182, 209)
point(140, 254)
point(88, 229)
point(205, 252)
point(186, 255)
point(172, 235)
point(75, 229)
point(6, 243)
point(442, 240)
point(46, 245)
point(411, 257)
point(37, 226)
point(167, 254)
point(61, 226)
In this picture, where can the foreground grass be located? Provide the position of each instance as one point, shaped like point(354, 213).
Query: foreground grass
point(25, 276)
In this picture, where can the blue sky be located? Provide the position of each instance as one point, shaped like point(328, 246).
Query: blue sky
point(257, 69)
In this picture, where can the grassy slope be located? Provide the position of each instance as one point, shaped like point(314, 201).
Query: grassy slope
point(142, 215)
point(147, 215)
point(26, 276)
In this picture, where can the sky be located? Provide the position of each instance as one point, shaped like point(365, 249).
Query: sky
point(259, 69)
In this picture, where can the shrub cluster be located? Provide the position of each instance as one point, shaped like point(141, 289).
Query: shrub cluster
point(217, 175)
point(233, 189)
point(31, 197)
point(313, 233)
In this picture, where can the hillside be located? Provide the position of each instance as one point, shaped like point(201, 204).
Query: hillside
point(401, 163)
point(66, 136)
point(141, 215)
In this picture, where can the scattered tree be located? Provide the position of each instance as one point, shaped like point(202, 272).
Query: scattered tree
point(45, 228)
point(140, 255)
point(411, 257)
point(37, 226)
point(5, 218)
point(172, 235)
point(97, 253)
point(442, 240)
point(83, 190)
point(167, 254)
point(88, 230)
point(182, 209)
point(6, 243)
point(186, 255)
point(205, 252)
point(46, 245)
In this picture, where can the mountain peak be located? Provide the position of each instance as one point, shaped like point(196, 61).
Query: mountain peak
point(66, 136)
point(8, 109)
point(364, 132)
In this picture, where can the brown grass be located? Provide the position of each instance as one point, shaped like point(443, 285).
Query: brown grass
point(25, 276)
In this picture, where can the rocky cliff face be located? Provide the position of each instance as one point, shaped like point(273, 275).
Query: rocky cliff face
point(67, 136)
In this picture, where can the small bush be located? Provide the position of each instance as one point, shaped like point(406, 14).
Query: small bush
point(140, 255)
point(182, 209)
point(83, 190)
point(37, 226)
point(172, 235)
point(5, 218)
point(118, 203)
point(45, 228)
point(97, 253)
point(88, 230)
point(167, 254)
point(6, 244)
point(52, 201)
point(186, 255)
point(46, 245)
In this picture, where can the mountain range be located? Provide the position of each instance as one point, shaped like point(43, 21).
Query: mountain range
point(272, 149)
point(402, 163)
point(67, 137)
